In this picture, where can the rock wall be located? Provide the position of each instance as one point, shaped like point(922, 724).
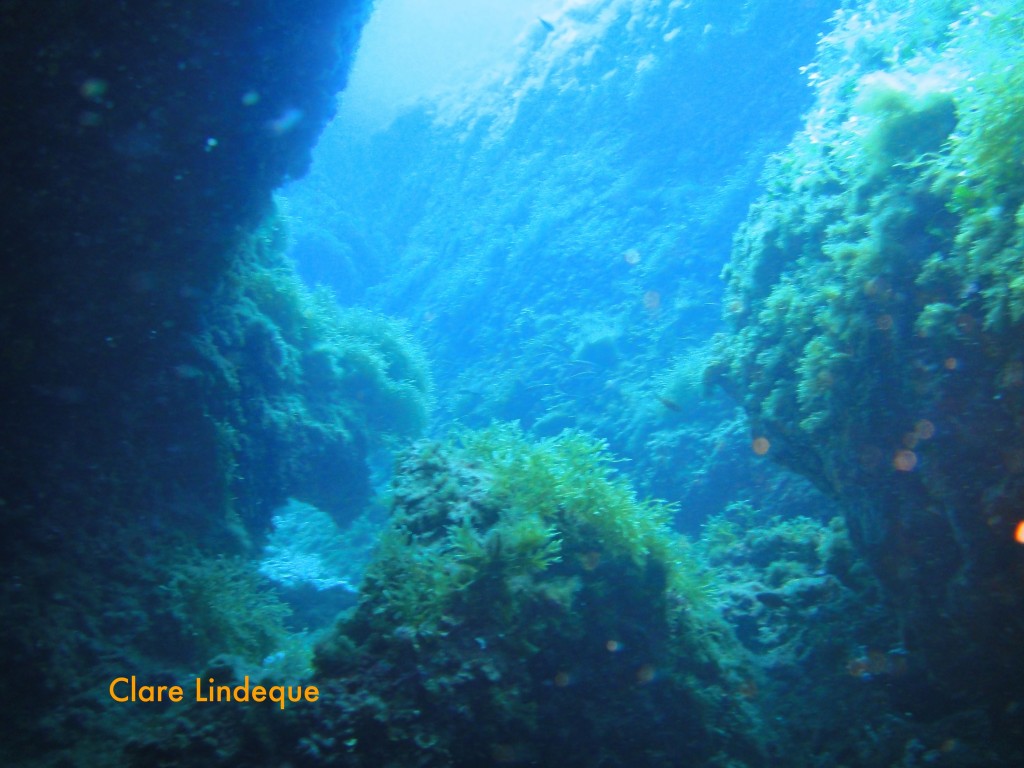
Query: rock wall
point(141, 143)
point(875, 297)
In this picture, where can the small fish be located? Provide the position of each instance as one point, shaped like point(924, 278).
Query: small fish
point(670, 404)
point(546, 24)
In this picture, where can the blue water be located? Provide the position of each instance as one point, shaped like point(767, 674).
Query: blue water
point(561, 220)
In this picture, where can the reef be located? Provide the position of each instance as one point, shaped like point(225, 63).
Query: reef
point(877, 323)
point(297, 391)
point(523, 606)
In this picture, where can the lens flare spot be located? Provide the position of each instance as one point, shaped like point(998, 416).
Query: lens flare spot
point(904, 460)
point(760, 445)
point(1014, 460)
point(93, 89)
point(950, 363)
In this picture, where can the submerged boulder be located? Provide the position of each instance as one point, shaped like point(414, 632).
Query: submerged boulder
point(523, 607)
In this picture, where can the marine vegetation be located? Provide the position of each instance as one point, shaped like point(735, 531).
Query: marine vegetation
point(877, 307)
point(822, 643)
point(523, 606)
point(296, 383)
point(223, 606)
point(522, 584)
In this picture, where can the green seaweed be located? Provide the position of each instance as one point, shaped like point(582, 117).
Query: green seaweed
point(224, 606)
point(313, 385)
point(519, 577)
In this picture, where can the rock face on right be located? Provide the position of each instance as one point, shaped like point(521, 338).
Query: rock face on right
point(877, 311)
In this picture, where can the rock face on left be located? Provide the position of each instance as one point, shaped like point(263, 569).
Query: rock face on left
point(141, 143)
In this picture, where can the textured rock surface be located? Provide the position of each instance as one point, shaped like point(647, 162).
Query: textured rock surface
point(876, 300)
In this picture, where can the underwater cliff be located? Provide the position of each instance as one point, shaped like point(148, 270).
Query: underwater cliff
point(874, 296)
point(141, 146)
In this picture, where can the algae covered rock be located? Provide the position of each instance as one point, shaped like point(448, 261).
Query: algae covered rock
point(525, 606)
point(298, 390)
point(874, 293)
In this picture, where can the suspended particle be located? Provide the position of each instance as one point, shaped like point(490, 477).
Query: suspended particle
point(645, 674)
point(286, 121)
point(93, 89)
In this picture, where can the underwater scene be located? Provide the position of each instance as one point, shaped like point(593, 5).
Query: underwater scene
point(472, 383)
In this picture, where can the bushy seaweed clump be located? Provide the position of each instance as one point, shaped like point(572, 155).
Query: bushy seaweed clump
point(892, 220)
point(981, 174)
point(223, 606)
point(525, 605)
point(878, 308)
